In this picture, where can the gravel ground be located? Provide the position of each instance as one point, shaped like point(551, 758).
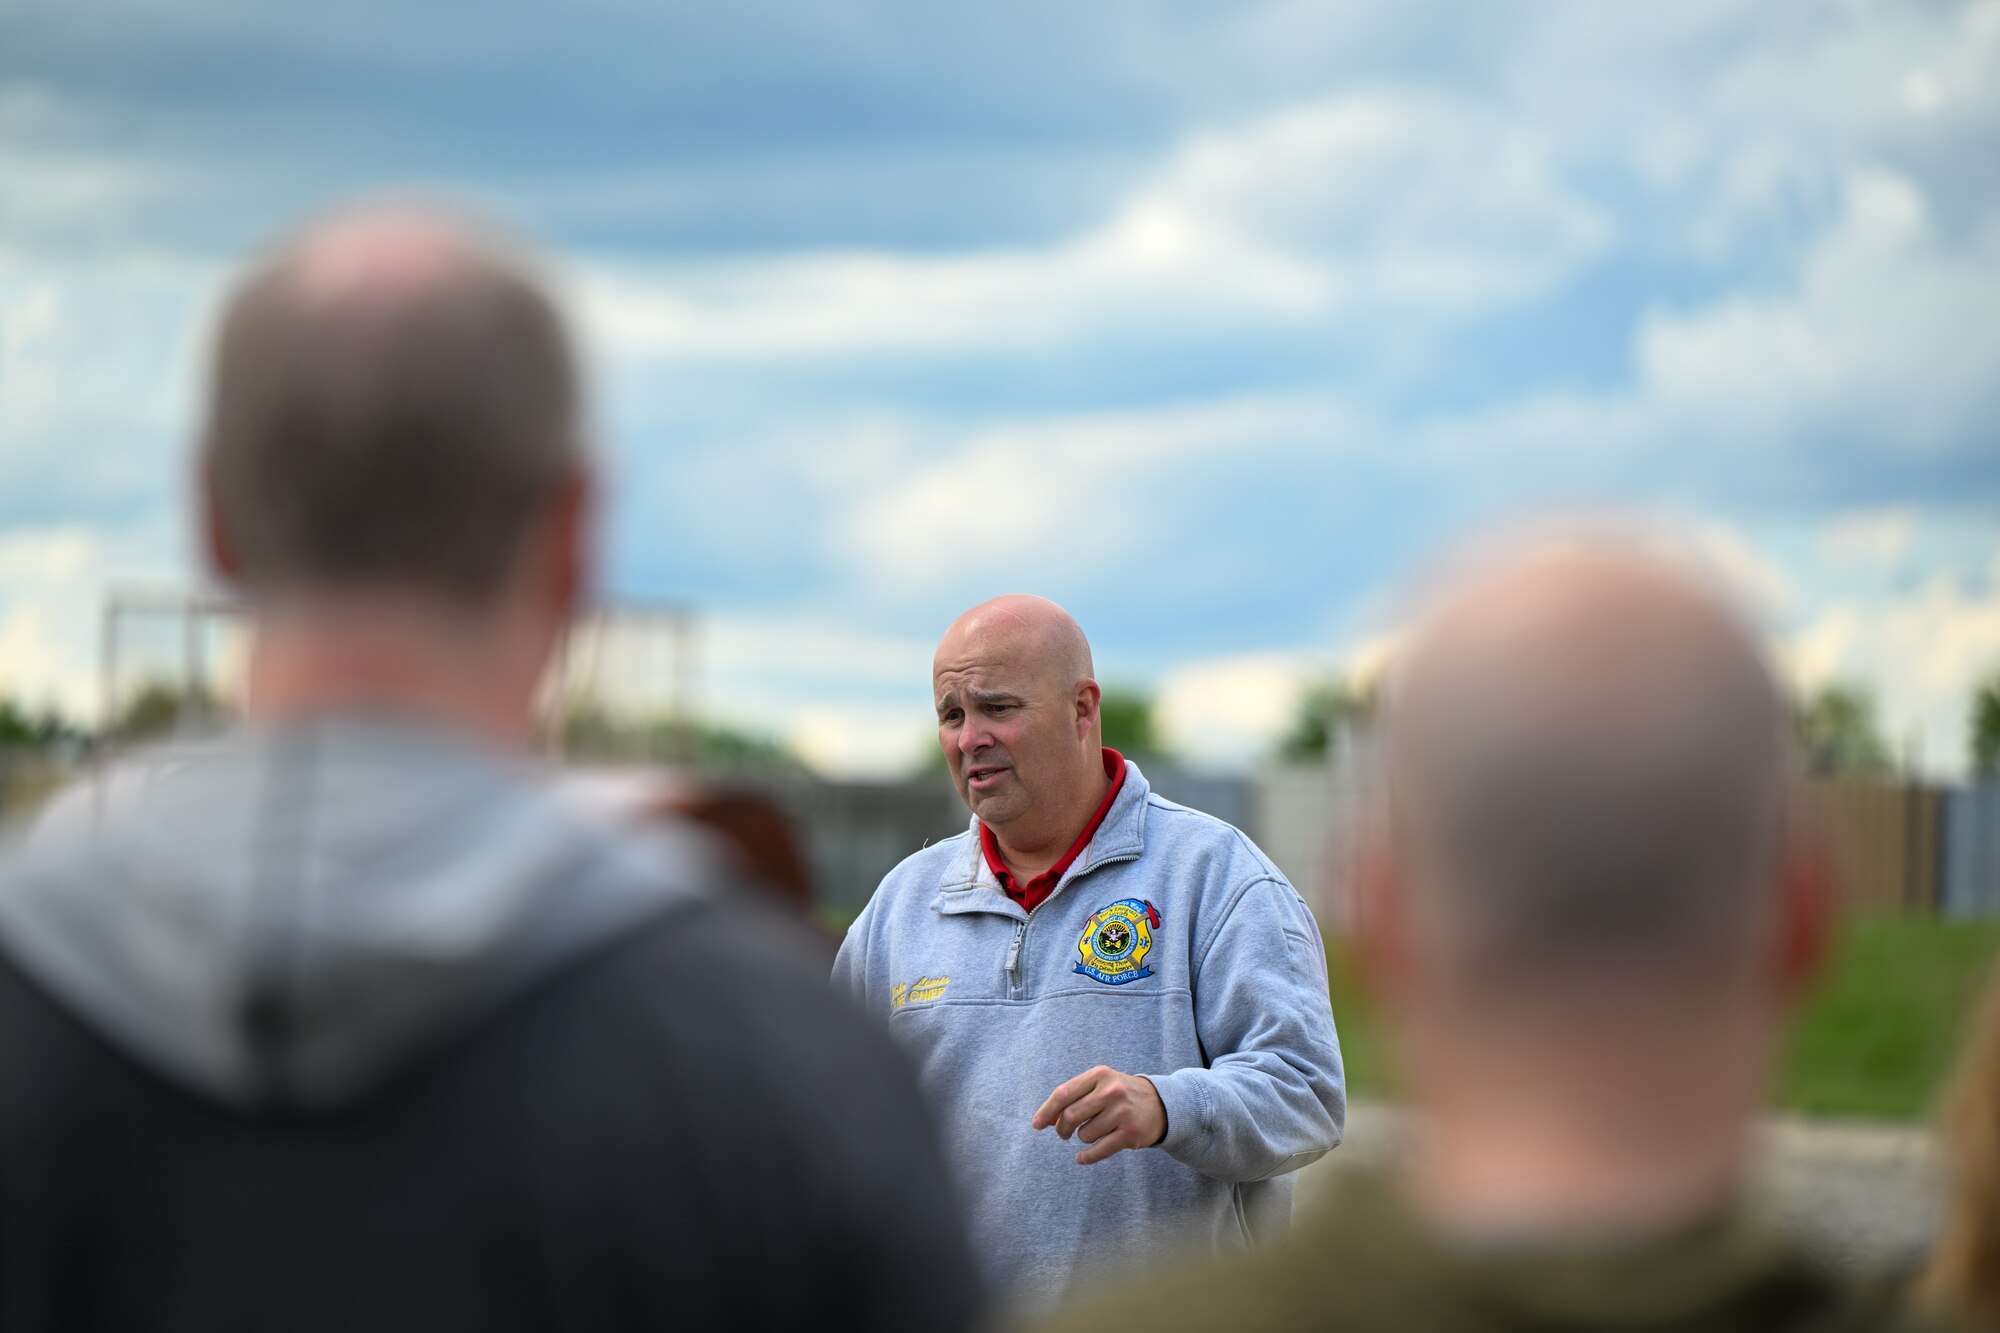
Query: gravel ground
point(1860, 1193)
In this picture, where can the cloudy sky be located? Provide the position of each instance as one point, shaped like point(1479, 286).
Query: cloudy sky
point(1209, 321)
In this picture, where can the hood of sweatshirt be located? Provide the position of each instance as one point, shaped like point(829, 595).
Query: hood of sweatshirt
point(289, 917)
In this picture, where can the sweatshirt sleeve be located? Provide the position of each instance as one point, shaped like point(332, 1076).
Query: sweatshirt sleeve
point(850, 964)
point(1272, 1097)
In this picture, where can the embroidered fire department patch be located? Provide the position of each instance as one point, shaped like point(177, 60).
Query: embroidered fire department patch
point(1116, 940)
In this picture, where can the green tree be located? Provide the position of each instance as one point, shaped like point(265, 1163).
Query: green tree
point(1129, 725)
point(160, 708)
point(930, 760)
point(1326, 709)
point(1986, 728)
point(20, 727)
point(1837, 732)
point(709, 744)
point(592, 731)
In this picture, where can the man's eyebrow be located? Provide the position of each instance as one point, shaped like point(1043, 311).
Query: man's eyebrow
point(992, 696)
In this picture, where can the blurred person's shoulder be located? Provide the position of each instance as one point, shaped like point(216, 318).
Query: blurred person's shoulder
point(1361, 1261)
point(712, 1029)
point(443, 880)
point(725, 984)
point(100, 792)
point(733, 961)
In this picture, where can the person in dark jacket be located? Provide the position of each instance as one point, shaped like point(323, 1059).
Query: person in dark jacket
point(349, 1020)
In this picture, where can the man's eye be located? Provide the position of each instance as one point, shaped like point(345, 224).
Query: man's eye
point(949, 717)
point(998, 709)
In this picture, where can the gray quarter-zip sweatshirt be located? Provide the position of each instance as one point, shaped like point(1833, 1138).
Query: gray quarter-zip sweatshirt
point(1173, 949)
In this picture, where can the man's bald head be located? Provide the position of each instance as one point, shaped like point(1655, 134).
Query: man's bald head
point(1025, 627)
point(1585, 756)
point(394, 400)
point(1018, 718)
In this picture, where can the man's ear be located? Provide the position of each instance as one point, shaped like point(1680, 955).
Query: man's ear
point(1378, 926)
point(1089, 699)
point(1807, 882)
point(220, 547)
point(571, 532)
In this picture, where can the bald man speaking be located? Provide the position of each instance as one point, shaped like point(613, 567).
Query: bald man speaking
point(1118, 1005)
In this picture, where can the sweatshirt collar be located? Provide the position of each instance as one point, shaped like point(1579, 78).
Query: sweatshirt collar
point(968, 884)
point(1033, 891)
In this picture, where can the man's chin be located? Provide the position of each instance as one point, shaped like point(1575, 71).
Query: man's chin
point(991, 807)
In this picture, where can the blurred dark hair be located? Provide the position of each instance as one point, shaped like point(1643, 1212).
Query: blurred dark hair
point(402, 432)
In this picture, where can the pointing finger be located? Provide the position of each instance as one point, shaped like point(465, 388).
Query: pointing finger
point(1080, 1086)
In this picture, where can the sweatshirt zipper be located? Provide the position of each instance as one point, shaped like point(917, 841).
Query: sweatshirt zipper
point(1014, 957)
point(1021, 929)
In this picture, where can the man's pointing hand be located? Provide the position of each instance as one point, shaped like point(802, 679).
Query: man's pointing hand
point(1107, 1110)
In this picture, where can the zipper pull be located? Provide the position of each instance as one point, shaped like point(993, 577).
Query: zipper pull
point(1014, 954)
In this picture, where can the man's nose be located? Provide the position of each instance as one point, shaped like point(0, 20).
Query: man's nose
point(972, 738)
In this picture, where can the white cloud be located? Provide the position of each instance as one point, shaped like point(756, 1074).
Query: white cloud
point(1888, 330)
point(737, 644)
point(851, 701)
point(1229, 711)
point(1885, 344)
point(1817, 164)
point(1764, 588)
point(54, 194)
point(1741, 121)
point(860, 742)
point(1817, 653)
point(1922, 92)
point(51, 583)
point(1029, 500)
point(1432, 207)
point(1922, 650)
point(98, 375)
point(1870, 537)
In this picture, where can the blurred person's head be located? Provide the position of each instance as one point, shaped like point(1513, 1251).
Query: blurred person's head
point(757, 833)
point(1585, 917)
point(1962, 1277)
point(1017, 712)
point(395, 469)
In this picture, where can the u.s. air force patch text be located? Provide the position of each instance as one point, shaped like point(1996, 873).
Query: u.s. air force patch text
point(1116, 940)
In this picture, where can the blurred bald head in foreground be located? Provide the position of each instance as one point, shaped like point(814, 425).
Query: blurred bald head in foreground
point(1585, 912)
point(1585, 755)
point(395, 454)
point(1584, 915)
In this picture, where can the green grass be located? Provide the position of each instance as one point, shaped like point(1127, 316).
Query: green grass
point(1876, 1037)
point(1364, 1060)
point(1879, 1033)
point(834, 916)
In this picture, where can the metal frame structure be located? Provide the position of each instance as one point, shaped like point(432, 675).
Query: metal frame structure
point(198, 612)
point(582, 652)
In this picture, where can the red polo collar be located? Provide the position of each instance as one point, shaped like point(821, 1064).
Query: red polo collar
point(1032, 894)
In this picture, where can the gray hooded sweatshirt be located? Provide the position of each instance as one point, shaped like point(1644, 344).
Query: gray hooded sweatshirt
point(286, 918)
point(354, 1024)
